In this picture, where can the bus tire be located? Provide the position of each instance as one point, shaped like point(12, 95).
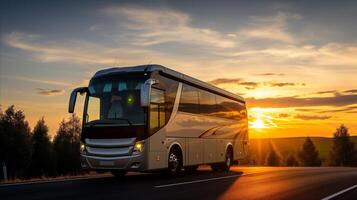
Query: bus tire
point(226, 165)
point(229, 159)
point(174, 160)
point(118, 173)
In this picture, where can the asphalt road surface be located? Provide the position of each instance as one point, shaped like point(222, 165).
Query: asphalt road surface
point(240, 183)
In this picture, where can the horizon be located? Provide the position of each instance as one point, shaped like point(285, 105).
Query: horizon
point(294, 63)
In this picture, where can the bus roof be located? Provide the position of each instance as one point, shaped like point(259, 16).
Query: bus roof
point(168, 72)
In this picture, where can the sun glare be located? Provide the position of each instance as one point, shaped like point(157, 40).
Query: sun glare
point(258, 124)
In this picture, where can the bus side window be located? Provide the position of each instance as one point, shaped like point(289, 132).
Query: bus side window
point(222, 110)
point(189, 100)
point(234, 109)
point(207, 102)
point(157, 109)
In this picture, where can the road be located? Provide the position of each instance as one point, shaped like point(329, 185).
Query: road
point(241, 183)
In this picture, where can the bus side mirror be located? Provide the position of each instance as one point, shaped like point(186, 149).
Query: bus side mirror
point(73, 98)
point(145, 92)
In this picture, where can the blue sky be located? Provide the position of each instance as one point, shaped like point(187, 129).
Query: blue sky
point(264, 50)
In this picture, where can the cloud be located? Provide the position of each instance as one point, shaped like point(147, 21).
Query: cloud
point(225, 81)
point(162, 25)
point(305, 109)
point(272, 84)
point(49, 92)
point(250, 85)
point(350, 91)
point(133, 31)
point(339, 110)
point(285, 102)
point(51, 51)
point(284, 115)
point(327, 92)
point(77, 51)
point(34, 80)
point(238, 81)
point(311, 117)
point(273, 28)
point(326, 55)
point(240, 93)
point(271, 74)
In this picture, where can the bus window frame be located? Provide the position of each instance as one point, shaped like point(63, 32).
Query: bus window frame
point(150, 130)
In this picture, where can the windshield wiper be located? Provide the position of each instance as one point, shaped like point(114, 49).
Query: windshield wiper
point(111, 121)
point(118, 118)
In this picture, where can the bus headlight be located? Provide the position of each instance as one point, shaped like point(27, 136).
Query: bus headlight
point(138, 147)
point(82, 148)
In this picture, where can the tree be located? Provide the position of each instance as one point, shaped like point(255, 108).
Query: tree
point(309, 155)
point(15, 146)
point(291, 161)
point(272, 158)
point(343, 152)
point(66, 146)
point(42, 156)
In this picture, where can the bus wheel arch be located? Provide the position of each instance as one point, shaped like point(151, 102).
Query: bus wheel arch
point(175, 159)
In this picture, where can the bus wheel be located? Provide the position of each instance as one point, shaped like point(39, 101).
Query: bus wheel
point(226, 165)
point(174, 161)
point(118, 173)
point(229, 160)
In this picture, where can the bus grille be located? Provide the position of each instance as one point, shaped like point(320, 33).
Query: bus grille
point(110, 147)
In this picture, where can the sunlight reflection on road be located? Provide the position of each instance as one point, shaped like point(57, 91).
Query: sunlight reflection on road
point(256, 182)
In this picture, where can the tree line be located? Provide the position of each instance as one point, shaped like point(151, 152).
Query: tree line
point(31, 153)
point(342, 153)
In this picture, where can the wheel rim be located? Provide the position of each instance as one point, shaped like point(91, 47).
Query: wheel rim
point(173, 162)
point(228, 161)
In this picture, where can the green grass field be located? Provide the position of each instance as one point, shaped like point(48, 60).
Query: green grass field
point(258, 148)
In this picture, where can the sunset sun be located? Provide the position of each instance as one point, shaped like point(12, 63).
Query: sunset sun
point(258, 123)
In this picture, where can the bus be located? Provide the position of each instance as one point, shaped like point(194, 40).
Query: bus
point(149, 117)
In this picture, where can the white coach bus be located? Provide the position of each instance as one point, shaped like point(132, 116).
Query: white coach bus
point(149, 117)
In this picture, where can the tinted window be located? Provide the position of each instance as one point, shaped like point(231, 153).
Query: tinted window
point(235, 109)
point(189, 99)
point(157, 109)
point(207, 102)
point(221, 108)
point(229, 108)
point(170, 86)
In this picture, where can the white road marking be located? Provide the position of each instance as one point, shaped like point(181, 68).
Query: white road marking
point(52, 181)
point(200, 181)
point(340, 192)
point(105, 176)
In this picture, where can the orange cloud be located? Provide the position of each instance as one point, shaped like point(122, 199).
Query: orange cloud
point(311, 117)
point(250, 85)
point(47, 92)
point(284, 102)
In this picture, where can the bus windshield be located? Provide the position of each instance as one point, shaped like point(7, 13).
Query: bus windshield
point(114, 101)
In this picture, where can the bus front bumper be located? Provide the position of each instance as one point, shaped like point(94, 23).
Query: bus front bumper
point(128, 163)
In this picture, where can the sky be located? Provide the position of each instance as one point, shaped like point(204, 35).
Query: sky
point(295, 62)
